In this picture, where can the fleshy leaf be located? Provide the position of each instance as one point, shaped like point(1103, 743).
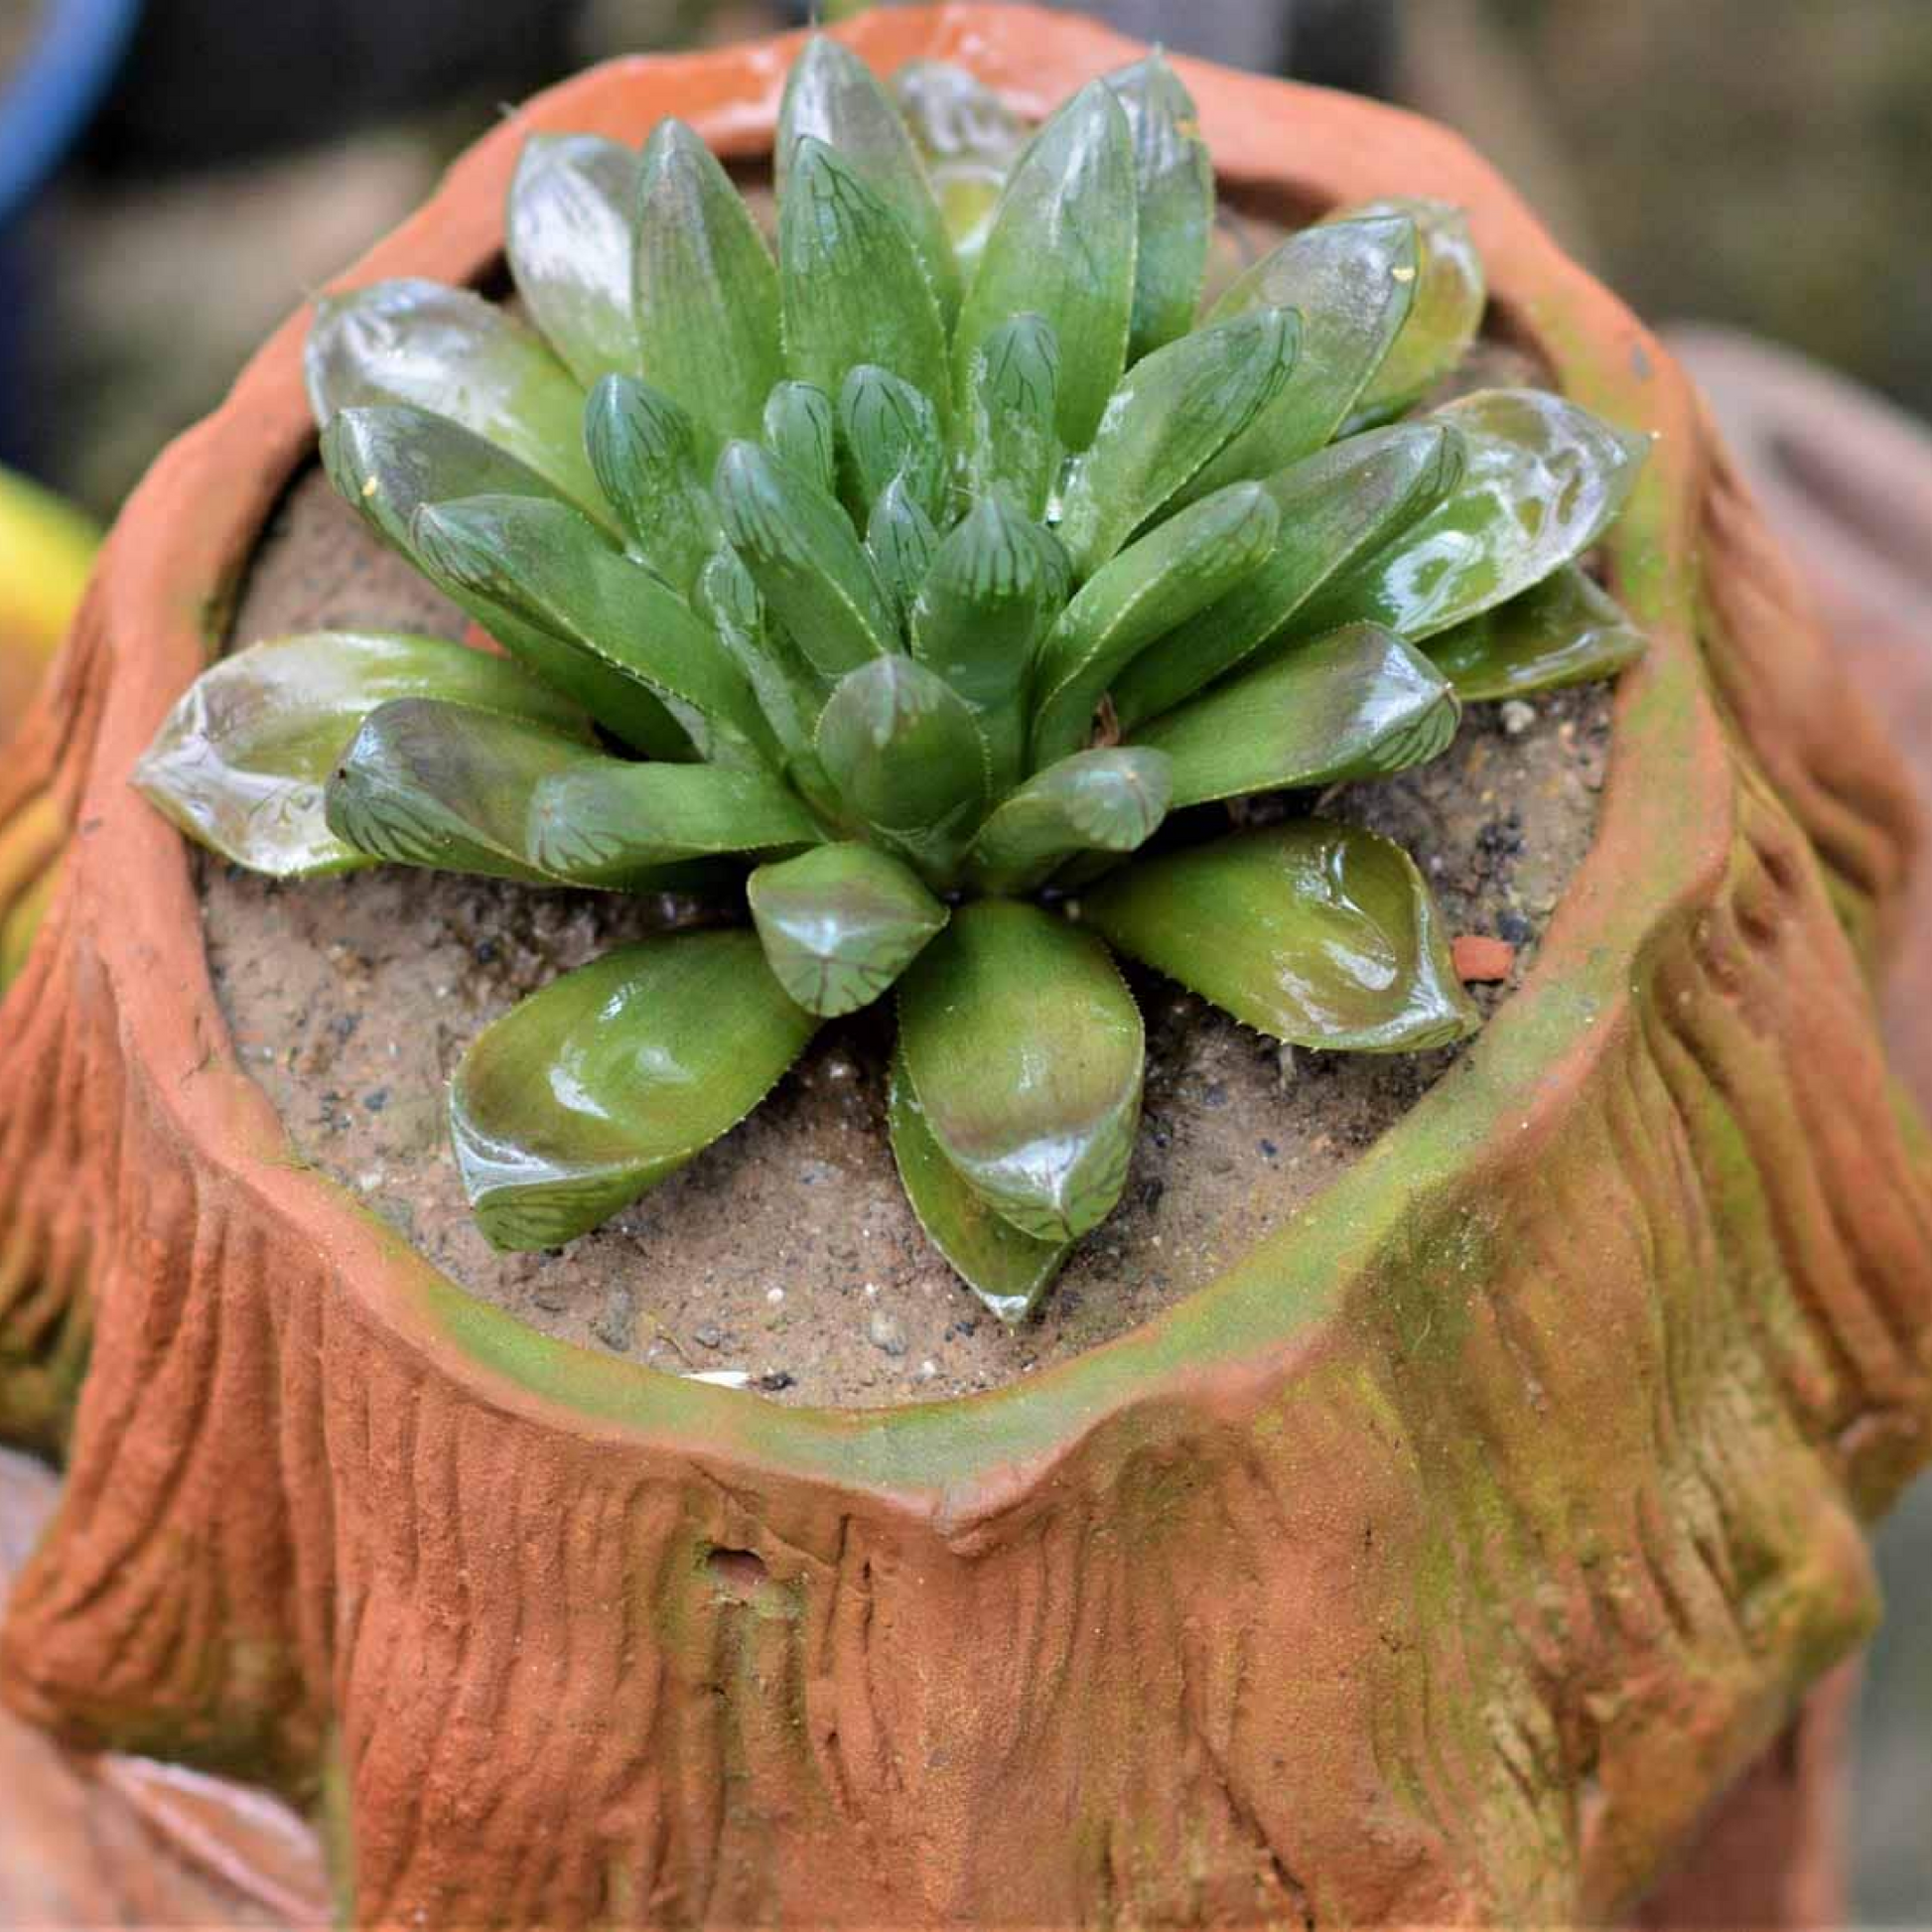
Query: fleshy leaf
point(805, 558)
point(901, 746)
point(901, 540)
point(567, 236)
point(840, 923)
point(1008, 1271)
point(430, 783)
point(1094, 801)
point(1314, 932)
point(801, 430)
point(1341, 503)
point(1014, 386)
point(1543, 480)
point(240, 762)
point(851, 283)
point(613, 1077)
point(969, 139)
point(833, 96)
point(1180, 566)
point(1353, 284)
point(1564, 631)
point(1061, 247)
point(1175, 178)
point(1446, 314)
point(546, 564)
point(787, 690)
point(1025, 1052)
point(977, 619)
point(389, 461)
point(451, 352)
point(1355, 704)
point(643, 448)
point(892, 429)
point(705, 296)
point(1170, 414)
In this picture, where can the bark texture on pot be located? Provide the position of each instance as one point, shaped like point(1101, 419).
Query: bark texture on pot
point(1443, 1559)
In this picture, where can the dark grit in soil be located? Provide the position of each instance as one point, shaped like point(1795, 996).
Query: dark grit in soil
point(787, 1252)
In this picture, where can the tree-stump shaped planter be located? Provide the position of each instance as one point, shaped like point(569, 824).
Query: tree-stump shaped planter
point(1441, 1559)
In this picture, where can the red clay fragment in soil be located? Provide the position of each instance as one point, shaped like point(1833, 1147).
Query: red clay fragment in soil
point(1476, 957)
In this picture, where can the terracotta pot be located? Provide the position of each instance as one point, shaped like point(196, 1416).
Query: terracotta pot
point(1443, 1559)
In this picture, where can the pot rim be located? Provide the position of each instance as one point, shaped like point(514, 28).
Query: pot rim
point(1662, 843)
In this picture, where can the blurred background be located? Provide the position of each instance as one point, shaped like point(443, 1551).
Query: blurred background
point(174, 175)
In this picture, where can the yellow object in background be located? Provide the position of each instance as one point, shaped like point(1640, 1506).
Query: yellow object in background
point(47, 549)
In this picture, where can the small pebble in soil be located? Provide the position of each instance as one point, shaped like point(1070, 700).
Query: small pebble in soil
point(1517, 717)
point(709, 1336)
point(885, 1333)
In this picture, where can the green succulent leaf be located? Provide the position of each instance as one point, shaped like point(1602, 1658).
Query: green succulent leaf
point(1063, 246)
point(1447, 311)
point(643, 448)
point(840, 923)
point(969, 139)
point(904, 750)
point(1025, 1052)
point(1541, 480)
point(1355, 704)
point(800, 428)
point(851, 285)
point(1563, 630)
point(1353, 284)
point(1014, 386)
point(389, 462)
point(568, 235)
point(1109, 800)
point(891, 431)
point(1008, 1271)
point(977, 619)
point(1180, 566)
point(901, 540)
point(240, 762)
point(427, 782)
point(706, 294)
point(1339, 504)
point(1315, 932)
point(832, 96)
point(613, 1077)
point(1170, 414)
point(805, 558)
point(787, 690)
point(548, 565)
point(1175, 178)
point(450, 352)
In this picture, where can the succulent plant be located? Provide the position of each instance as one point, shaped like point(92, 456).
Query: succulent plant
point(910, 583)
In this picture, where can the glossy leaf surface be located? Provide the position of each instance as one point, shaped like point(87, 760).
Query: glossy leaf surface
point(242, 759)
point(1108, 800)
point(902, 749)
point(840, 923)
point(969, 139)
point(1541, 480)
point(1334, 506)
point(613, 1077)
point(1356, 704)
point(851, 283)
point(1315, 932)
point(451, 352)
point(1563, 630)
point(832, 96)
point(1170, 414)
point(901, 540)
point(1008, 1270)
point(805, 558)
point(891, 431)
point(1180, 566)
point(438, 784)
point(1026, 1052)
point(706, 294)
point(1014, 386)
point(567, 236)
point(1353, 284)
point(1447, 310)
point(643, 448)
point(1174, 179)
point(1061, 247)
point(801, 430)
